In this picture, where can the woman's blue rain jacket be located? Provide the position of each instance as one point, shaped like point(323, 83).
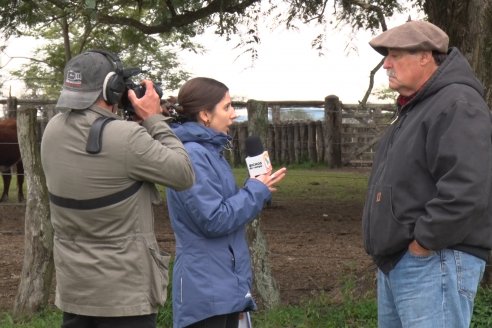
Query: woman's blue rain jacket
point(212, 269)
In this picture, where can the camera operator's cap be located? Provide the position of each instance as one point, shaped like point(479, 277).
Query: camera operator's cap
point(83, 80)
point(413, 35)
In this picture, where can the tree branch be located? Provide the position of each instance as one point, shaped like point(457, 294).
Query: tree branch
point(319, 17)
point(176, 21)
point(379, 12)
point(382, 22)
point(172, 10)
point(371, 83)
point(21, 57)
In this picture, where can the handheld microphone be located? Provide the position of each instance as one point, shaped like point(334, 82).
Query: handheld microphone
point(257, 160)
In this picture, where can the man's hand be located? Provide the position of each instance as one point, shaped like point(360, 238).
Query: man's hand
point(149, 104)
point(418, 250)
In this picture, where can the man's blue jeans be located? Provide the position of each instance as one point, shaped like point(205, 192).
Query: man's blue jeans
point(435, 291)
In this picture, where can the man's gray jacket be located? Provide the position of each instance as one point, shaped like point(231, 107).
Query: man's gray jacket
point(107, 259)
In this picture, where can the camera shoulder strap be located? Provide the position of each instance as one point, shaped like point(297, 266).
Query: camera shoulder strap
point(94, 141)
point(94, 145)
point(93, 203)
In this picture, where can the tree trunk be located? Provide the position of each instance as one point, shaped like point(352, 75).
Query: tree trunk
point(37, 269)
point(469, 26)
point(265, 285)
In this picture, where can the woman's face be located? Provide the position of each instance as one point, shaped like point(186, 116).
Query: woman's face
point(223, 115)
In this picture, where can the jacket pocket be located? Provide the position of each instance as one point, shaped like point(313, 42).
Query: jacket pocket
point(160, 267)
point(384, 234)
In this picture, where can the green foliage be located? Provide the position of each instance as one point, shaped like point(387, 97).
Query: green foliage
point(48, 318)
point(69, 29)
point(150, 32)
point(482, 310)
point(322, 311)
point(386, 94)
point(165, 314)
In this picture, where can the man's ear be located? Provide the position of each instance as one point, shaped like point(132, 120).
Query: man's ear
point(426, 57)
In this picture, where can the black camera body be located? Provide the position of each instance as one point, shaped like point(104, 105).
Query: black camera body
point(139, 90)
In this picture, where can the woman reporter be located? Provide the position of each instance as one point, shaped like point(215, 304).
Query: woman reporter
point(212, 271)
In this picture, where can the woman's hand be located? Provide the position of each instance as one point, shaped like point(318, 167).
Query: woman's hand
point(271, 179)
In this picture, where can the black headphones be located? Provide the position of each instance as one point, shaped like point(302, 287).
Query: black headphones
point(114, 84)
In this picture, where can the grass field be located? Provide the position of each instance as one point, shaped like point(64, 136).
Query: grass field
point(310, 184)
point(316, 313)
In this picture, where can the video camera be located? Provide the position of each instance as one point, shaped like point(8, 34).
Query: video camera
point(139, 90)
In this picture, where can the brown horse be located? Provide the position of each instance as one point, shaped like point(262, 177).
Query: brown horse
point(10, 156)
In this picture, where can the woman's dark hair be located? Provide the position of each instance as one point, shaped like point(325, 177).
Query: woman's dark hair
point(197, 94)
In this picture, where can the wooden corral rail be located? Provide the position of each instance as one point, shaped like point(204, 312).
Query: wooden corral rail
point(347, 134)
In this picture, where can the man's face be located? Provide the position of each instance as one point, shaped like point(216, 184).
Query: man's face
point(405, 71)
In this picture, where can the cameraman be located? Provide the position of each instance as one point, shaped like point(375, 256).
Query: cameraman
point(100, 172)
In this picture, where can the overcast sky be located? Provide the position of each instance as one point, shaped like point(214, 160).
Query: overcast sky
point(287, 67)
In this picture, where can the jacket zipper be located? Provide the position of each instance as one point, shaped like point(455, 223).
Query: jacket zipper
point(380, 173)
point(233, 259)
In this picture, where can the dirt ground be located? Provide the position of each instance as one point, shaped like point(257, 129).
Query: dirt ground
point(314, 247)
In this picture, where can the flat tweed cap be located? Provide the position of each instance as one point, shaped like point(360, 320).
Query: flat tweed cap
point(413, 35)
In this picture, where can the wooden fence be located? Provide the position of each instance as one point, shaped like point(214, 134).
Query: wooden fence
point(345, 135)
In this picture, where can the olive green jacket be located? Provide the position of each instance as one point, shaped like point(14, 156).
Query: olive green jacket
point(107, 259)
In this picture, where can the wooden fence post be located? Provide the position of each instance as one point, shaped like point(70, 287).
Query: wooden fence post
point(265, 284)
point(276, 114)
point(303, 142)
point(290, 142)
point(277, 131)
point(270, 143)
point(11, 107)
point(284, 152)
point(297, 144)
point(37, 268)
point(333, 135)
point(312, 154)
point(320, 149)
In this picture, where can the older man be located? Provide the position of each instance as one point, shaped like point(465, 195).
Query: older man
point(427, 220)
